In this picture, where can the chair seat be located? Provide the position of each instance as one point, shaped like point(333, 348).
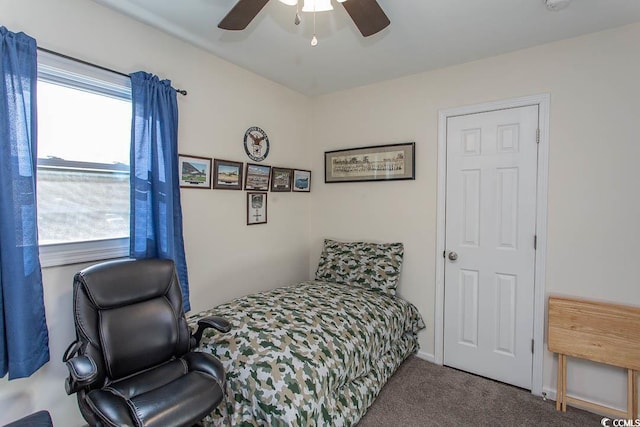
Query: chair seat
point(181, 402)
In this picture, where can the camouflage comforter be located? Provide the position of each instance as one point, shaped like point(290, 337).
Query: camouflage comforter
point(312, 354)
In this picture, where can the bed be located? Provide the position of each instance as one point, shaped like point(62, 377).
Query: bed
point(315, 353)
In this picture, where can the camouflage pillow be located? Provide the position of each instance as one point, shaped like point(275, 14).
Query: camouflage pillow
point(370, 265)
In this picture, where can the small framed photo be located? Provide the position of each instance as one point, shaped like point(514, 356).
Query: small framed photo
point(256, 208)
point(281, 179)
point(257, 177)
point(195, 171)
point(301, 180)
point(227, 175)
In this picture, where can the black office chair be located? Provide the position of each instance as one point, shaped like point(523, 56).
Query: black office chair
point(131, 363)
point(37, 419)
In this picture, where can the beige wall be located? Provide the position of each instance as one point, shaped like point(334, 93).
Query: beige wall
point(593, 176)
point(593, 172)
point(225, 257)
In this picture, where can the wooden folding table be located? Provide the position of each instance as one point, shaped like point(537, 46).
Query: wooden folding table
point(597, 331)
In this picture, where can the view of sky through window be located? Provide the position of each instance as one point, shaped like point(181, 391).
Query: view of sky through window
point(82, 126)
point(84, 141)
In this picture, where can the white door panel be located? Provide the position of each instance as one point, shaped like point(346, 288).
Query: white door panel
point(490, 226)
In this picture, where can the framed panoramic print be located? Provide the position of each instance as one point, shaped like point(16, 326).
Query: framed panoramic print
point(195, 171)
point(257, 177)
point(376, 163)
point(281, 179)
point(256, 208)
point(227, 175)
point(301, 181)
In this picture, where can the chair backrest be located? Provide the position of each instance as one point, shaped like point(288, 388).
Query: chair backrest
point(129, 316)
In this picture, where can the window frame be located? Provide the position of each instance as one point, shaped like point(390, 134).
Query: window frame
point(77, 75)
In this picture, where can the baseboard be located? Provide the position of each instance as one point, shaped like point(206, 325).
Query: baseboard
point(426, 356)
point(551, 395)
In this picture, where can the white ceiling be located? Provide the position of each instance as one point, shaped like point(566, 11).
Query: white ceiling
point(423, 35)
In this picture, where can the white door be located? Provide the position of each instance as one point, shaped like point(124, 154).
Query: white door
point(490, 232)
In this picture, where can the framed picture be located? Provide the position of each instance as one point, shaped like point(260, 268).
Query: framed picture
point(301, 180)
point(257, 177)
point(377, 163)
point(195, 171)
point(227, 175)
point(281, 179)
point(256, 208)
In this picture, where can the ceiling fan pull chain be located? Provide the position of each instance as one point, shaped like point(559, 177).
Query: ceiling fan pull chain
point(297, 20)
point(314, 40)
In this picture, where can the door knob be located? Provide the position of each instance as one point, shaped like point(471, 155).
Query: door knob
point(453, 256)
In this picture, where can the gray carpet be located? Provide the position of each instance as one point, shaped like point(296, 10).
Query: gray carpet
point(423, 394)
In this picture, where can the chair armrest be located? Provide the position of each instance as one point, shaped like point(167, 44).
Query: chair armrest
point(82, 372)
point(206, 363)
point(215, 322)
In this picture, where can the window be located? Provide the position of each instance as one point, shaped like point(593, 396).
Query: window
point(84, 134)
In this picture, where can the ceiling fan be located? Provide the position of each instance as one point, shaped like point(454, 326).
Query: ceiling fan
point(366, 14)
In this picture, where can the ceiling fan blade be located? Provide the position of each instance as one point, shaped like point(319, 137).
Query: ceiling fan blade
point(242, 14)
point(367, 15)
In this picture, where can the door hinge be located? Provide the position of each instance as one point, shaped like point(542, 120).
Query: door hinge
point(532, 343)
point(537, 136)
point(535, 242)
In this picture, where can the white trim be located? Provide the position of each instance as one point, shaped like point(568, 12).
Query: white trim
point(67, 72)
point(77, 252)
point(543, 102)
point(440, 235)
point(551, 394)
point(425, 356)
point(77, 75)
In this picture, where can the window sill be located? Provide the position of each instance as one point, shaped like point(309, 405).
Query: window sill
point(78, 252)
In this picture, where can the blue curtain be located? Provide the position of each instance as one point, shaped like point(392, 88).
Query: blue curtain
point(156, 213)
point(24, 340)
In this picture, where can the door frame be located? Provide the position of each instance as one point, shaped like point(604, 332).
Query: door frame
point(542, 101)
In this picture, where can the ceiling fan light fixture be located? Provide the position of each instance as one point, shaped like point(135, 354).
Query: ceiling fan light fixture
point(367, 15)
point(317, 6)
point(555, 5)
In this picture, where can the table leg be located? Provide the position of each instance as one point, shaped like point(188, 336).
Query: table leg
point(564, 383)
point(560, 391)
point(632, 394)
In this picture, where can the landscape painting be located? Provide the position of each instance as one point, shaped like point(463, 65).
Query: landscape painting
point(195, 171)
point(227, 175)
point(302, 181)
point(257, 177)
point(281, 179)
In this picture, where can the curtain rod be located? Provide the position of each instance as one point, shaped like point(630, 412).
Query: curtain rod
point(180, 91)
